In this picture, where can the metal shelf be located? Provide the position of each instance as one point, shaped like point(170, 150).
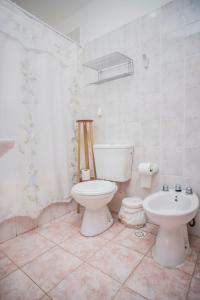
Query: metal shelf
point(110, 67)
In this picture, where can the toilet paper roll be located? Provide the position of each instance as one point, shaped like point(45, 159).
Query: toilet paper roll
point(146, 170)
point(85, 174)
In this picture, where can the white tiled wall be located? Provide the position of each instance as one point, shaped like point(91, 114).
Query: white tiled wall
point(157, 109)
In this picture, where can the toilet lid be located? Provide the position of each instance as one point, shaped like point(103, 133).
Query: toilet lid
point(94, 187)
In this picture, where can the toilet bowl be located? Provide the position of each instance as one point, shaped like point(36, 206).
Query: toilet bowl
point(94, 196)
point(172, 211)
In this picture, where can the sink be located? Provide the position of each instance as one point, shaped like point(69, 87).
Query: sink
point(172, 211)
point(6, 145)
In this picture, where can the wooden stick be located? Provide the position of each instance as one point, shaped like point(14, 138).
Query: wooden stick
point(87, 165)
point(92, 143)
point(78, 152)
point(78, 158)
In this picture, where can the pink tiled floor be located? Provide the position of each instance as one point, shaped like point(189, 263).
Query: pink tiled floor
point(56, 262)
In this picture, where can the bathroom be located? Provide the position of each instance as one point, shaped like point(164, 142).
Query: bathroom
point(144, 105)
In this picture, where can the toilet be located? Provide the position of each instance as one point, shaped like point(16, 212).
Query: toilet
point(113, 164)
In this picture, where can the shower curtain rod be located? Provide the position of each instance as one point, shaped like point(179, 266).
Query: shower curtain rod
point(42, 22)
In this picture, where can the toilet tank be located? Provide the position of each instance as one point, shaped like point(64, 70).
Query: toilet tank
point(114, 162)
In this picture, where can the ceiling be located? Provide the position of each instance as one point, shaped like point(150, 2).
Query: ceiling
point(52, 11)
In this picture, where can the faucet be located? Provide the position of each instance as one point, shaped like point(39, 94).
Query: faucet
point(178, 188)
point(165, 188)
point(188, 190)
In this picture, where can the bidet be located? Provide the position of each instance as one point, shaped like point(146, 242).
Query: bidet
point(171, 210)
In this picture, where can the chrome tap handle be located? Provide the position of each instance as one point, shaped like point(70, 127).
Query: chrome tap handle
point(178, 188)
point(188, 190)
point(165, 188)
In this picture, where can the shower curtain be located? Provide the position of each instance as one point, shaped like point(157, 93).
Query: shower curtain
point(38, 84)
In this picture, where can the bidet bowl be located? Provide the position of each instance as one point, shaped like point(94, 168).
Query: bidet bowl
point(171, 211)
point(171, 208)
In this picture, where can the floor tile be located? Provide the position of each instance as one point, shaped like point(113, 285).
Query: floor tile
point(57, 232)
point(82, 246)
point(197, 268)
point(73, 218)
point(50, 268)
point(45, 297)
point(129, 238)
point(149, 227)
point(126, 294)
point(155, 282)
point(116, 261)
point(194, 293)
point(26, 247)
point(6, 265)
point(114, 230)
point(17, 286)
point(189, 264)
point(195, 242)
point(86, 283)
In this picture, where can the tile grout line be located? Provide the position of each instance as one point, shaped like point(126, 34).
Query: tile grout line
point(64, 278)
point(192, 277)
point(134, 269)
point(46, 292)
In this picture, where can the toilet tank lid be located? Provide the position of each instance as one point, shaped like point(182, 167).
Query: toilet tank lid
point(113, 146)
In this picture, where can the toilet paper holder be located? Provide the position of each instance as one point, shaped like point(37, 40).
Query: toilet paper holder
point(146, 171)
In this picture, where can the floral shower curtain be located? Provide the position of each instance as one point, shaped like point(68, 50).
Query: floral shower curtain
point(37, 80)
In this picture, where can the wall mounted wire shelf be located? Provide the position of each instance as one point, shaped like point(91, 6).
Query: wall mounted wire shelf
point(111, 66)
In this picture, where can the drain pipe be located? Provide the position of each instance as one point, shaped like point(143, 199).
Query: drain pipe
point(192, 223)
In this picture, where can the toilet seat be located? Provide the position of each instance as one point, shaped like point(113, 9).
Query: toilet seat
point(94, 187)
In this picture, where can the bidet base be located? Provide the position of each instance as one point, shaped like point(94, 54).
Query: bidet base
point(171, 246)
point(96, 221)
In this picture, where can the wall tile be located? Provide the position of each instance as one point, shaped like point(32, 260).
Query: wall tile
point(192, 107)
point(150, 106)
point(172, 16)
point(172, 76)
point(171, 161)
point(192, 39)
point(137, 157)
point(151, 47)
point(172, 103)
point(151, 154)
point(133, 102)
point(150, 133)
point(133, 133)
point(192, 162)
point(149, 26)
point(172, 133)
point(192, 71)
point(131, 36)
point(191, 11)
point(172, 45)
point(149, 77)
point(192, 132)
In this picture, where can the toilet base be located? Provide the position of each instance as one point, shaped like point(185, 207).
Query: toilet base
point(172, 246)
point(96, 221)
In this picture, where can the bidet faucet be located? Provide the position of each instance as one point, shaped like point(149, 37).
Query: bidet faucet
point(188, 190)
point(165, 188)
point(178, 188)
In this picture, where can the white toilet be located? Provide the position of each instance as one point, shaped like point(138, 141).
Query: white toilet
point(113, 164)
